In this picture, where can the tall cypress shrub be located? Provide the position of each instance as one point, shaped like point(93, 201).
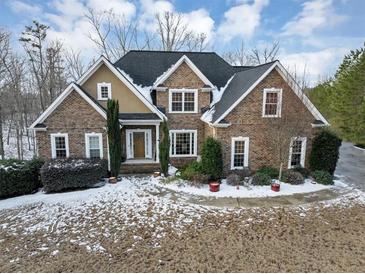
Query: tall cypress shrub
point(115, 142)
point(212, 160)
point(325, 152)
point(165, 149)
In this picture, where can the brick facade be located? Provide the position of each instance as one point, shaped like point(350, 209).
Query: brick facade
point(247, 121)
point(76, 117)
point(184, 77)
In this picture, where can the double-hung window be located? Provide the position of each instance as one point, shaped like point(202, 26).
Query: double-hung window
point(297, 152)
point(271, 106)
point(104, 91)
point(239, 152)
point(183, 143)
point(94, 145)
point(183, 100)
point(59, 145)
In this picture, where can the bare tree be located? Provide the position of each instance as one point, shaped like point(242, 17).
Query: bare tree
point(114, 35)
point(172, 32)
point(197, 42)
point(74, 63)
point(267, 54)
point(238, 56)
point(4, 51)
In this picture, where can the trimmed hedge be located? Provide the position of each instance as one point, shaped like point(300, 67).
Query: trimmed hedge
point(325, 152)
point(19, 177)
point(272, 172)
point(212, 160)
point(64, 174)
point(322, 177)
point(261, 179)
point(293, 177)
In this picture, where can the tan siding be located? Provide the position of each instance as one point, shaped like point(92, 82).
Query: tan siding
point(128, 101)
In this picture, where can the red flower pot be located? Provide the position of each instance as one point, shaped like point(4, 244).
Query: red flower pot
point(275, 187)
point(214, 187)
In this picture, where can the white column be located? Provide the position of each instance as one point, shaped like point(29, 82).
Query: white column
point(157, 143)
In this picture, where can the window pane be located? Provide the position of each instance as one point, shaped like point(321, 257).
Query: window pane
point(271, 97)
point(297, 146)
point(94, 142)
point(176, 101)
point(95, 153)
point(270, 109)
point(104, 90)
point(182, 144)
point(189, 96)
point(239, 147)
point(188, 106)
point(60, 142)
point(238, 160)
point(296, 153)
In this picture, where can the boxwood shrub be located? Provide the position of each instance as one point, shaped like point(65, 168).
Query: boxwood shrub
point(322, 177)
point(189, 171)
point(19, 177)
point(261, 179)
point(212, 160)
point(293, 177)
point(65, 174)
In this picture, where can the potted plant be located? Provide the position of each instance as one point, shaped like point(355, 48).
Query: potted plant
point(214, 185)
point(275, 185)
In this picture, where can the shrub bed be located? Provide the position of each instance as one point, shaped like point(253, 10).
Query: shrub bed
point(322, 177)
point(234, 179)
point(19, 177)
point(293, 177)
point(261, 179)
point(64, 174)
point(304, 171)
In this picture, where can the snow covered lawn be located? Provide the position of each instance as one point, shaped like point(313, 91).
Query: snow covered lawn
point(136, 226)
point(245, 192)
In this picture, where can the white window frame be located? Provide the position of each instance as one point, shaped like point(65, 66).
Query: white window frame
point(173, 145)
point(279, 91)
point(109, 86)
point(147, 142)
point(303, 150)
point(87, 143)
point(183, 91)
point(53, 144)
point(247, 147)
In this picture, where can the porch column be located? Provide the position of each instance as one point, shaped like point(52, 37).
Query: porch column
point(157, 143)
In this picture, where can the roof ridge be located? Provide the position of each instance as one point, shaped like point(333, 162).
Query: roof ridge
point(172, 51)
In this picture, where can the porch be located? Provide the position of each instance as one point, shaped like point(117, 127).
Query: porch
point(140, 142)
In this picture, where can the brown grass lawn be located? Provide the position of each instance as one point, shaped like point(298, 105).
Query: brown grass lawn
point(321, 239)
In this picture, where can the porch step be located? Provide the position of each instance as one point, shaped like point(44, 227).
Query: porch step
point(139, 168)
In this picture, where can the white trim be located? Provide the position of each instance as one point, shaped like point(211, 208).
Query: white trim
point(183, 91)
point(193, 67)
point(172, 145)
point(121, 77)
point(87, 143)
point(290, 81)
point(157, 143)
point(139, 161)
point(279, 92)
point(53, 144)
point(140, 122)
point(246, 153)
point(302, 152)
point(147, 143)
point(103, 84)
point(60, 99)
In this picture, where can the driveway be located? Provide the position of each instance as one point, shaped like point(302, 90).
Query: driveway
point(351, 165)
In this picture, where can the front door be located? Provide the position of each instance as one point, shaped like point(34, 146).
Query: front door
point(139, 144)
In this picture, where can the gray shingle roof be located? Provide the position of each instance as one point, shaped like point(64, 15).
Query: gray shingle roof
point(239, 84)
point(146, 66)
point(138, 116)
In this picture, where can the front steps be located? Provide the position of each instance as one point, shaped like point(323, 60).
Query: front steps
point(134, 168)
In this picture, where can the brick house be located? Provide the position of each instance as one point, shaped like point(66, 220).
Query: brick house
point(198, 94)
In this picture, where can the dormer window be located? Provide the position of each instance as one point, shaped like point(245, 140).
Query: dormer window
point(271, 106)
point(104, 91)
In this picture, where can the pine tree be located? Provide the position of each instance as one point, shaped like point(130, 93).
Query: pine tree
point(348, 102)
point(115, 142)
point(165, 149)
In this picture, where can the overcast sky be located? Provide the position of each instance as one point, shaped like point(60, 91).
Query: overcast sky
point(314, 34)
